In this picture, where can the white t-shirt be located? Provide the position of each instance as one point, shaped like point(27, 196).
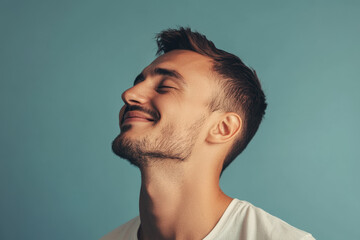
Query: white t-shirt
point(240, 221)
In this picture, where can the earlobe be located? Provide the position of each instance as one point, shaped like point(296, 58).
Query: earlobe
point(225, 129)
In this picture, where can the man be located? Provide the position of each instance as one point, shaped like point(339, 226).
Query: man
point(187, 117)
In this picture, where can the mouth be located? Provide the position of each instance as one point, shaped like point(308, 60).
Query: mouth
point(136, 116)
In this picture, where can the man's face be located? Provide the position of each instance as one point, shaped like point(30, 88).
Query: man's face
point(165, 110)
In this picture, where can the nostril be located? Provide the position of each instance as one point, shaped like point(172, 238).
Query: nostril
point(134, 95)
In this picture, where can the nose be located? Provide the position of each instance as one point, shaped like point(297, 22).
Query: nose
point(135, 95)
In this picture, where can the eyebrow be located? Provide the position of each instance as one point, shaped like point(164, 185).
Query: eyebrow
point(162, 72)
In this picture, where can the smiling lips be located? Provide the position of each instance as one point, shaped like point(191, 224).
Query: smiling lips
point(138, 116)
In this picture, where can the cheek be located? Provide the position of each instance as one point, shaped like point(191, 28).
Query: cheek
point(181, 109)
point(185, 116)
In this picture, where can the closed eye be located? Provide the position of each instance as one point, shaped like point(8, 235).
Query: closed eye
point(164, 88)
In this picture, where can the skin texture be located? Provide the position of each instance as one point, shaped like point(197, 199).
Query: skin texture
point(178, 145)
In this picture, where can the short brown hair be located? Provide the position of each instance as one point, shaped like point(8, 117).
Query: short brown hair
point(241, 88)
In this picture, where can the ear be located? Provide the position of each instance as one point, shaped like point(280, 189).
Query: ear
point(229, 125)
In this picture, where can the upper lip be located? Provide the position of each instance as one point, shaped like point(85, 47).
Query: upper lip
point(137, 114)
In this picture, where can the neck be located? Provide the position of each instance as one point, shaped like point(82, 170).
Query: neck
point(178, 202)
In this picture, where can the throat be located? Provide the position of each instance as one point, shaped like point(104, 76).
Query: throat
point(174, 205)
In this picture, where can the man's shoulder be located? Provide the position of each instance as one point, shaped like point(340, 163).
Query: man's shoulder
point(256, 221)
point(127, 230)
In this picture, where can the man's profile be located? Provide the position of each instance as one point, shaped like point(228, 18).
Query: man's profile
point(188, 115)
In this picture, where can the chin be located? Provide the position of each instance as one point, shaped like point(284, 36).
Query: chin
point(115, 143)
point(126, 149)
point(125, 128)
point(122, 143)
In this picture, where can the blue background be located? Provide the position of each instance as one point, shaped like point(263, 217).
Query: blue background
point(64, 65)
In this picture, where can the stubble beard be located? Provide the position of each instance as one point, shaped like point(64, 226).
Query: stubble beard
point(171, 144)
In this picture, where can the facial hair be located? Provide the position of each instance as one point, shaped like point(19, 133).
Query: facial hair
point(171, 144)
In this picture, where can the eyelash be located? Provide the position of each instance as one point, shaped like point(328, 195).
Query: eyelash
point(163, 89)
